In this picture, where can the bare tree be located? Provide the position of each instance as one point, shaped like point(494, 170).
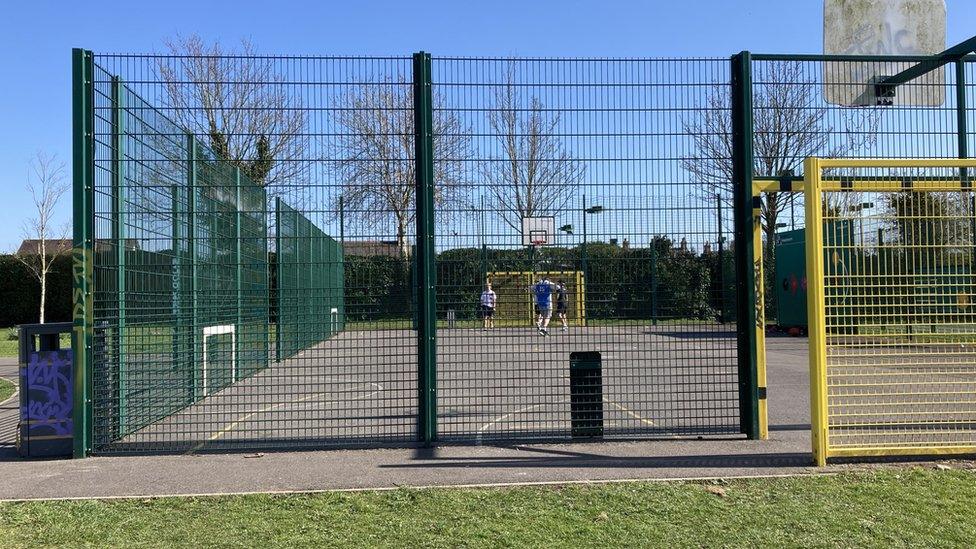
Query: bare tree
point(533, 174)
point(242, 103)
point(374, 156)
point(790, 123)
point(46, 184)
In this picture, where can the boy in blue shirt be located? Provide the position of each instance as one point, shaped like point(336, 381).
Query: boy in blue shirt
point(543, 304)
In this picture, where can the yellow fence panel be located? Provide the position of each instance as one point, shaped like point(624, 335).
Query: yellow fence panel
point(892, 306)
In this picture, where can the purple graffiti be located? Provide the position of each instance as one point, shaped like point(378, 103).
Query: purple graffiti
point(49, 394)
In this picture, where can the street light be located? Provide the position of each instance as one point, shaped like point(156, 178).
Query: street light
point(586, 211)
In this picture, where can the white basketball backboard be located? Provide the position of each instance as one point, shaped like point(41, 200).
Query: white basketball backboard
point(538, 231)
point(882, 27)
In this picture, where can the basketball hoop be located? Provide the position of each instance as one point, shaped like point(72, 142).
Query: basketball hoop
point(538, 231)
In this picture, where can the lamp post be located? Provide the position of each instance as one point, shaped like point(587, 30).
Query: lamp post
point(586, 211)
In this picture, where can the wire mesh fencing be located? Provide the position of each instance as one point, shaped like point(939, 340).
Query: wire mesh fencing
point(893, 348)
point(231, 327)
point(227, 327)
point(310, 299)
point(607, 149)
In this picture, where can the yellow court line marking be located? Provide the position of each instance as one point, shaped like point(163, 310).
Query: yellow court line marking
point(477, 439)
point(630, 412)
point(620, 407)
point(233, 425)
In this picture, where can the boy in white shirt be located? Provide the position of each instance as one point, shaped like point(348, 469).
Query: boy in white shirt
point(488, 300)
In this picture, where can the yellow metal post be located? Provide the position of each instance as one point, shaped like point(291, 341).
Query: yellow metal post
point(816, 309)
point(757, 246)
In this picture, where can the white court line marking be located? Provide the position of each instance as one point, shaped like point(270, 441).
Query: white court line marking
point(241, 419)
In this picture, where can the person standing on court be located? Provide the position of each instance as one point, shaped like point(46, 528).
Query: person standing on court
point(543, 303)
point(562, 297)
point(488, 300)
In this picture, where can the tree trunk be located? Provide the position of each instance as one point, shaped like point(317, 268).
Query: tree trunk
point(402, 235)
point(43, 293)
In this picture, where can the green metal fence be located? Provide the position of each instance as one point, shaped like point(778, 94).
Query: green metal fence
point(413, 165)
point(399, 184)
point(602, 146)
point(310, 274)
point(178, 269)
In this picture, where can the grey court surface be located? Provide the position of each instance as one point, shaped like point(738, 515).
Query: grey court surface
point(508, 384)
point(786, 451)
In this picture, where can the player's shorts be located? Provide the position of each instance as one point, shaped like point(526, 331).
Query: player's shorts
point(545, 311)
point(487, 312)
point(560, 308)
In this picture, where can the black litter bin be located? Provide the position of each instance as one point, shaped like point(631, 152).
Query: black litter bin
point(586, 394)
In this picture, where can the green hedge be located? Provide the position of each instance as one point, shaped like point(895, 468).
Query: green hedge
point(621, 283)
point(20, 292)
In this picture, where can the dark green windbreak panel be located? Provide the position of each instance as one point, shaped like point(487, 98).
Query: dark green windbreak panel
point(311, 303)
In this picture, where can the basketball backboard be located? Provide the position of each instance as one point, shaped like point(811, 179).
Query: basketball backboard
point(538, 231)
point(882, 27)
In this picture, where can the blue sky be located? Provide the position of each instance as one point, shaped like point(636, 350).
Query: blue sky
point(37, 37)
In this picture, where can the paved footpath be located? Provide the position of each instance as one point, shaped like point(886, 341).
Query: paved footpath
point(8, 413)
point(786, 452)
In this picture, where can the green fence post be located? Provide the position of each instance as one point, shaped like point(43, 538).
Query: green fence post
point(721, 260)
point(277, 299)
point(653, 281)
point(424, 257)
point(746, 291)
point(118, 240)
point(962, 126)
point(196, 384)
point(263, 195)
point(239, 330)
point(83, 209)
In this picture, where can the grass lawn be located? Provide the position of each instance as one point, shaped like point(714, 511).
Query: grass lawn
point(8, 347)
point(906, 507)
point(6, 389)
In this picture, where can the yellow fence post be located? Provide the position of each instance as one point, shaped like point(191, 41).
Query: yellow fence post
point(757, 245)
point(816, 309)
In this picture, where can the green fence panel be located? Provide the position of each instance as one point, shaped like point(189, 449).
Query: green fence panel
point(311, 304)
